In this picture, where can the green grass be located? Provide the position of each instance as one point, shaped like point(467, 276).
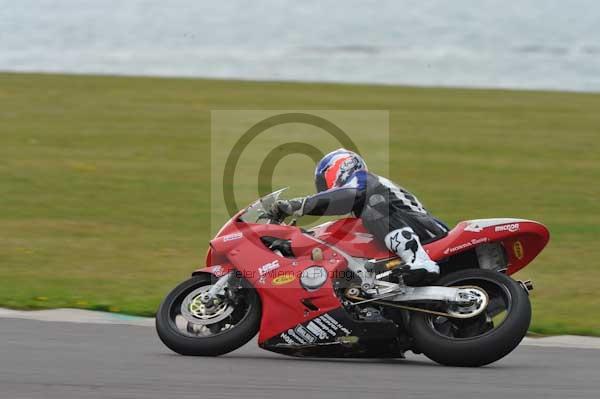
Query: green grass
point(104, 181)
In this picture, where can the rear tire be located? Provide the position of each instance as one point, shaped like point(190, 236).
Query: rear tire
point(487, 344)
point(223, 342)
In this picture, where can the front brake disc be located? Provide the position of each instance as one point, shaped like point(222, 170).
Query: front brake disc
point(197, 312)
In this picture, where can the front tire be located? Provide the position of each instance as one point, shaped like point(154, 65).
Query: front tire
point(182, 335)
point(480, 340)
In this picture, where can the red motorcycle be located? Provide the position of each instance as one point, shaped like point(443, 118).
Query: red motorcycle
point(334, 291)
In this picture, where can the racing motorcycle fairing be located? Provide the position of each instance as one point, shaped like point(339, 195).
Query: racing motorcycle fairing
point(521, 240)
point(276, 278)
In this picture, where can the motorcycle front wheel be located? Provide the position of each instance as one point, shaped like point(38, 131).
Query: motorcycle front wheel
point(189, 327)
point(482, 339)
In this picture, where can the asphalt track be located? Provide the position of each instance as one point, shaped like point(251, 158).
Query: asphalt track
point(68, 360)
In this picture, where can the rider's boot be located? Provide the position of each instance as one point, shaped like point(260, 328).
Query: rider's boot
point(418, 266)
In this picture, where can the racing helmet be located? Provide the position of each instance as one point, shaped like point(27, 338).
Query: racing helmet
point(337, 168)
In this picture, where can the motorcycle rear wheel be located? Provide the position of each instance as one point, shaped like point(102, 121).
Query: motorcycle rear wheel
point(480, 340)
point(232, 329)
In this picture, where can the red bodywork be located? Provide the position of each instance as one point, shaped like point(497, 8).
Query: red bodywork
point(277, 279)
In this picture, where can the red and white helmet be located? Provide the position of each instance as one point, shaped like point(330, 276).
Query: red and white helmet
point(337, 168)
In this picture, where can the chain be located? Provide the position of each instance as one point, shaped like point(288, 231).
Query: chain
point(394, 305)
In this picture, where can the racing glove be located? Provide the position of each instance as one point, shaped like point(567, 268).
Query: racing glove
point(288, 207)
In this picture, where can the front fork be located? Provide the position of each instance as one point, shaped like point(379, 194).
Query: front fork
point(217, 290)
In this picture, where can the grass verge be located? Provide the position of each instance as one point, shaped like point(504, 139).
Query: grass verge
point(103, 180)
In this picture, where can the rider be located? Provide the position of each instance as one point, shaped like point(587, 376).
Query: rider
point(389, 212)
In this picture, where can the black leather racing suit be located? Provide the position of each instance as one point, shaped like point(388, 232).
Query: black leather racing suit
point(382, 205)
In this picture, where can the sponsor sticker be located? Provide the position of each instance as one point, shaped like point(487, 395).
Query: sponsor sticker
point(288, 339)
point(218, 270)
point(324, 326)
point(231, 237)
point(305, 334)
point(518, 250)
point(285, 279)
point(269, 267)
point(316, 330)
point(321, 328)
point(334, 324)
point(513, 227)
point(296, 337)
point(474, 241)
point(477, 226)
